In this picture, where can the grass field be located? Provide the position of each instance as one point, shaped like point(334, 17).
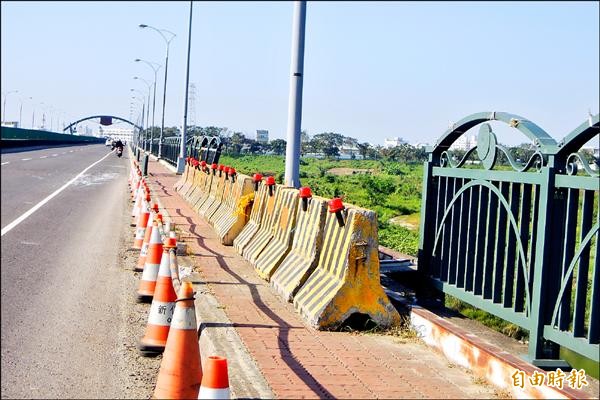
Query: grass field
point(391, 189)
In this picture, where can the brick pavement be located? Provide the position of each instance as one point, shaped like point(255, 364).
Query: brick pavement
point(296, 360)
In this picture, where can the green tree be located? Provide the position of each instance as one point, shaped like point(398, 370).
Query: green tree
point(237, 140)
point(278, 146)
point(363, 149)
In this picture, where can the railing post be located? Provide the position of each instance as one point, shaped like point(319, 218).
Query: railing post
point(542, 353)
point(425, 223)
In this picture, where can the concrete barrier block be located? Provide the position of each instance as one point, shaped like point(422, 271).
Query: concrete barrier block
point(346, 280)
point(307, 241)
point(256, 216)
point(237, 210)
point(266, 228)
point(280, 243)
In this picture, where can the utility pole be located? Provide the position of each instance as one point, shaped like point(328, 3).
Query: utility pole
point(292, 154)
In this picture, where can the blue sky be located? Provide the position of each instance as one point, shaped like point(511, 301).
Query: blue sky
point(372, 69)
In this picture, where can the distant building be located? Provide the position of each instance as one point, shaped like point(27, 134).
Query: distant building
point(262, 136)
point(348, 152)
point(420, 145)
point(125, 134)
point(464, 142)
point(393, 142)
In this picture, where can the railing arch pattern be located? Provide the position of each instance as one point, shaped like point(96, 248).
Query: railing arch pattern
point(498, 239)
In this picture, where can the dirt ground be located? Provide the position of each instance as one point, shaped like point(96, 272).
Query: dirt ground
point(348, 171)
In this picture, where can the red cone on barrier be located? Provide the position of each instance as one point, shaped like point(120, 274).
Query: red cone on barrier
point(270, 182)
point(256, 179)
point(304, 193)
point(336, 206)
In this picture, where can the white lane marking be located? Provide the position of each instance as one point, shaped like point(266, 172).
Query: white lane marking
point(70, 151)
point(54, 155)
point(22, 218)
point(25, 159)
point(44, 157)
point(6, 162)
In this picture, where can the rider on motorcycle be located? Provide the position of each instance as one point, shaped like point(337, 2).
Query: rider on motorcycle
point(118, 144)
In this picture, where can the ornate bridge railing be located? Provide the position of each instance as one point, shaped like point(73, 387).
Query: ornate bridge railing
point(520, 243)
point(205, 148)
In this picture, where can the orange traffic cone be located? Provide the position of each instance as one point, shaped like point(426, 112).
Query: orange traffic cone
point(215, 381)
point(161, 310)
point(138, 198)
point(144, 251)
point(173, 262)
point(141, 230)
point(180, 371)
point(148, 282)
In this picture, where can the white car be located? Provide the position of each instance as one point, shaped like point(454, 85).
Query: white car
point(108, 142)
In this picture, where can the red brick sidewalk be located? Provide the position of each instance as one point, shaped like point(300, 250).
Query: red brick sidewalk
point(296, 360)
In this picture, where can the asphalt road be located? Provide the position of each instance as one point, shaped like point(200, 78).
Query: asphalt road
point(65, 293)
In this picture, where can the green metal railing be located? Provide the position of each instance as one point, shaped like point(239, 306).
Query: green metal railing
point(205, 148)
point(521, 243)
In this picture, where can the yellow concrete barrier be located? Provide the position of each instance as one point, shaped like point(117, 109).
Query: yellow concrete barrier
point(215, 195)
point(256, 217)
point(231, 221)
point(201, 184)
point(267, 226)
point(216, 209)
point(189, 184)
point(184, 177)
point(207, 185)
point(278, 244)
point(346, 280)
point(302, 259)
point(196, 188)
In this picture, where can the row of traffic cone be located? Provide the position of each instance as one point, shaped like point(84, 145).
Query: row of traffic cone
point(171, 327)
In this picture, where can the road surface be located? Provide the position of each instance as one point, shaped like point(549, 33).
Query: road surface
point(66, 296)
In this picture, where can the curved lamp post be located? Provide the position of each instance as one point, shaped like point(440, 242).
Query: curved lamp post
point(155, 67)
point(21, 109)
point(167, 42)
point(4, 107)
point(147, 108)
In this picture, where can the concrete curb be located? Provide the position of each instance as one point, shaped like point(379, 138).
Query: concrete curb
point(483, 358)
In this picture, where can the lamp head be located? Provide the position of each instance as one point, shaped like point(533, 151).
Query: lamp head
point(143, 26)
point(137, 60)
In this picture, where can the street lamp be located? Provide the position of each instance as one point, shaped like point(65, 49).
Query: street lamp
point(21, 110)
point(167, 41)
point(4, 110)
point(155, 69)
point(141, 116)
point(147, 108)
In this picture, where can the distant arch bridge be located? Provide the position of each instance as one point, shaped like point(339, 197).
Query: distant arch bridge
point(104, 120)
